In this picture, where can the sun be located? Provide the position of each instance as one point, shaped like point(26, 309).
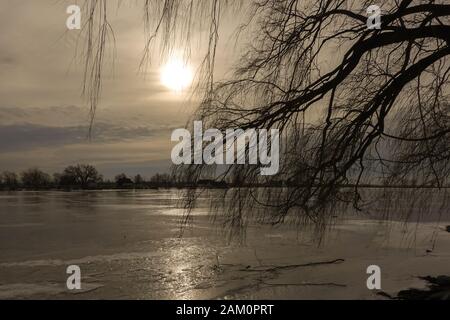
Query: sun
point(176, 75)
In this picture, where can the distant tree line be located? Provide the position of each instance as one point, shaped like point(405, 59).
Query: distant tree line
point(81, 177)
point(87, 177)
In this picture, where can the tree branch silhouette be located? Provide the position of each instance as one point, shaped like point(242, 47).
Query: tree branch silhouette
point(355, 106)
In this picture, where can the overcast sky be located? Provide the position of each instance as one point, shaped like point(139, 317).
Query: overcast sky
point(44, 120)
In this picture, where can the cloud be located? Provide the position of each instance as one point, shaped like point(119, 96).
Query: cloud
point(126, 140)
point(42, 118)
point(29, 136)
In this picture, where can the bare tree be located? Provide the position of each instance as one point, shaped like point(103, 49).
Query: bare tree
point(81, 175)
point(10, 180)
point(354, 105)
point(122, 180)
point(35, 179)
point(138, 180)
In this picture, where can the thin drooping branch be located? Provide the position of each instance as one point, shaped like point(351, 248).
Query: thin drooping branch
point(169, 26)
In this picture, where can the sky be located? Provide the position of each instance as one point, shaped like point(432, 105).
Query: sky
point(44, 119)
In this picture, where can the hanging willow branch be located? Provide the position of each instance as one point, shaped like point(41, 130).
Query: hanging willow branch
point(355, 106)
point(168, 25)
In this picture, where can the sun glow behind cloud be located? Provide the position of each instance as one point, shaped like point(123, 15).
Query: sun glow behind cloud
point(176, 75)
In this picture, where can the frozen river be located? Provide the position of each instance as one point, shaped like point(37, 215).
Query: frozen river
point(127, 246)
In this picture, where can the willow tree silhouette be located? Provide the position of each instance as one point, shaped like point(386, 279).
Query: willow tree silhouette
point(355, 105)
